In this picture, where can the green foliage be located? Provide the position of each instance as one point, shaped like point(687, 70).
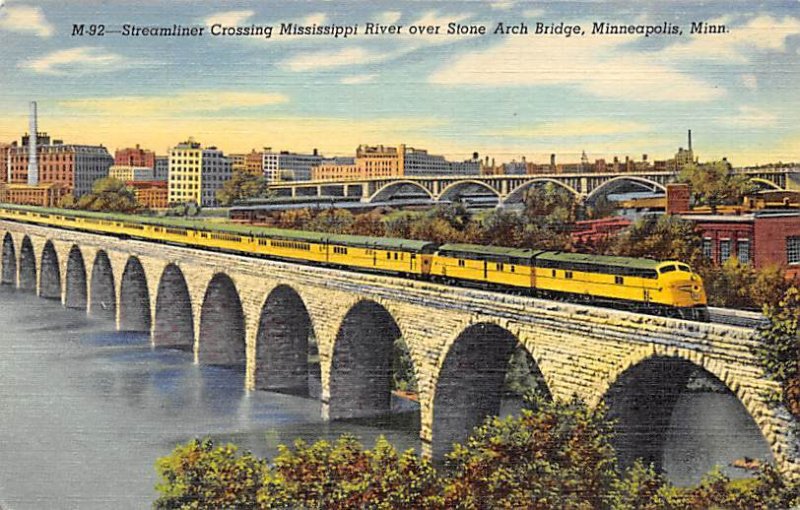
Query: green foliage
point(241, 186)
point(334, 221)
point(779, 349)
point(109, 195)
point(549, 206)
point(184, 210)
point(403, 376)
point(344, 476)
point(664, 237)
point(555, 456)
point(713, 184)
point(200, 476)
point(522, 377)
point(737, 285)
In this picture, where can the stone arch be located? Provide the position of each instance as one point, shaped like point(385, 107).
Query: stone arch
point(616, 182)
point(282, 342)
point(361, 364)
point(9, 260)
point(27, 266)
point(102, 293)
point(222, 330)
point(456, 190)
point(388, 191)
point(469, 386)
point(174, 323)
point(517, 195)
point(134, 298)
point(49, 273)
point(75, 295)
point(642, 398)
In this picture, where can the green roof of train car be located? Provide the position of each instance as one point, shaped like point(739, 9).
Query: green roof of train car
point(498, 252)
point(600, 260)
point(245, 230)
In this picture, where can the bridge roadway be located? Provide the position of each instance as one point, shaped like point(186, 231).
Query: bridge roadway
point(258, 316)
point(510, 189)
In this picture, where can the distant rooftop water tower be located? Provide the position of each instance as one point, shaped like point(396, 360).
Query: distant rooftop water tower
point(33, 162)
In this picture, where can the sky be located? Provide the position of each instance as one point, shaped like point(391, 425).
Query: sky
point(505, 96)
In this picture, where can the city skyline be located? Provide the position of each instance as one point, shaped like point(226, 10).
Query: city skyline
point(502, 96)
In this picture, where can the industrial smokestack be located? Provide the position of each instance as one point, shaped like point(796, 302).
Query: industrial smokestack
point(33, 163)
point(690, 139)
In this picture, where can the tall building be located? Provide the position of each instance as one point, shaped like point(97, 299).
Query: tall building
point(381, 161)
point(195, 173)
point(252, 162)
point(4, 150)
point(161, 170)
point(290, 166)
point(135, 157)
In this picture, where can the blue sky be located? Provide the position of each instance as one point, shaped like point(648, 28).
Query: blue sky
point(503, 96)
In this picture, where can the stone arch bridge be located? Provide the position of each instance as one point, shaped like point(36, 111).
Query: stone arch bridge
point(258, 316)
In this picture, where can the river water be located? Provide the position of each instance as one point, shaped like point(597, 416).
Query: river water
point(85, 412)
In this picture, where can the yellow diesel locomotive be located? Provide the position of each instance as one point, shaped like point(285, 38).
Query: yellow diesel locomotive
point(643, 285)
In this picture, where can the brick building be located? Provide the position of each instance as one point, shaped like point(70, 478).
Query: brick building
point(135, 156)
point(74, 166)
point(760, 238)
point(150, 194)
point(42, 195)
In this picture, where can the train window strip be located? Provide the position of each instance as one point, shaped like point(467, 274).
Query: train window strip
point(598, 268)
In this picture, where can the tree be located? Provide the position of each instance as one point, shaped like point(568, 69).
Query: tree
point(241, 186)
point(665, 237)
point(713, 184)
point(342, 476)
point(334, 221)
point(550, 206)
point(109, 195)
point(779, 349)
point(556, 455)
point(200, 476)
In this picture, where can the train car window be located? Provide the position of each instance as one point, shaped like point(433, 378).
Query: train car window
point(619, 280)
point(667, 269)
point(568, 275)
point(395, 255)
point(512, 268)
point(461, 263)
point(499, 267)
point(388, 256)
point(554, 273)
point(413, 256)
point(684, 268)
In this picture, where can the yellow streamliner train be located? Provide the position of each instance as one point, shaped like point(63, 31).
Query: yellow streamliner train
point(643, 285)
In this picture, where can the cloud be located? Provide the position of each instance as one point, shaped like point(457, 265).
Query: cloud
point(228, 18)
point(762, 33)
point(576, 128)
point(321, 60)
point(750, 81)
point(390, 17)
point(597, 66)
point(502, 5)
point(185, 102)
point(750, 117)
point(358, 79)
point(25, 19)
point(80, 60)
point(533, 13)
point(317, 18)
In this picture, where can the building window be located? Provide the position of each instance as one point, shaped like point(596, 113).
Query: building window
point(743, 250)
point(793, 250)
point(707, 247)
point(724, 250)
